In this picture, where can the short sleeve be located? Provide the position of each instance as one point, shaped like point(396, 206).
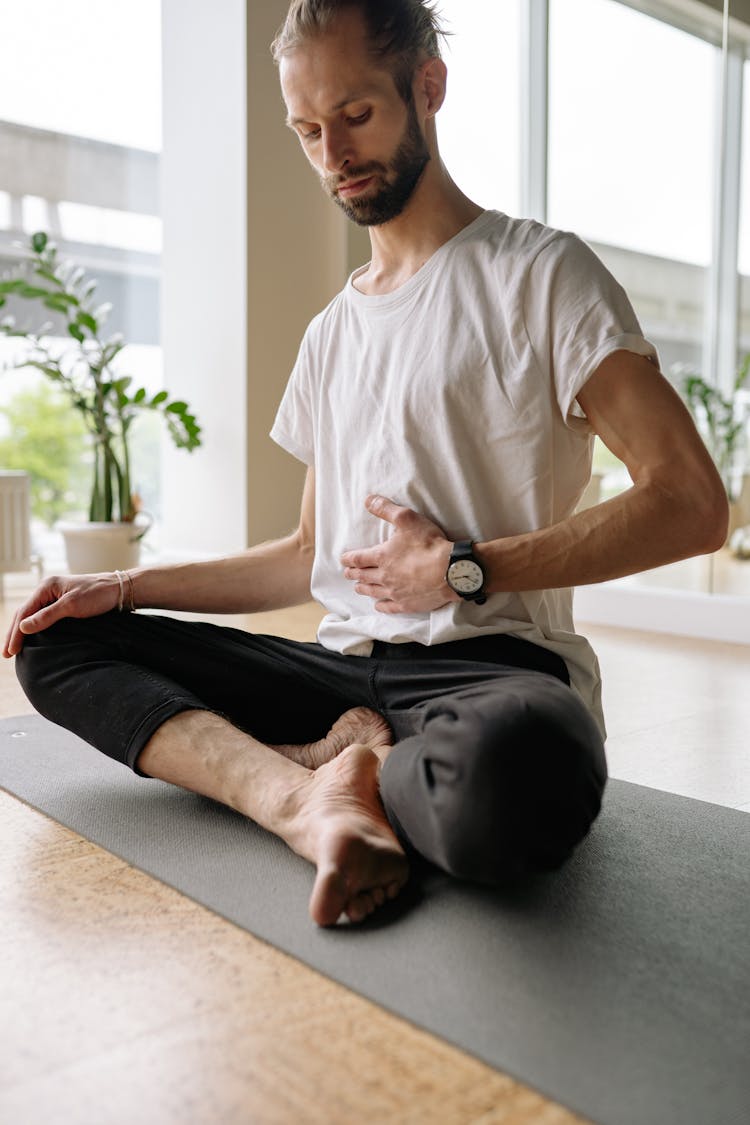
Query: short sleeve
point(577, 314)
point(293, 428)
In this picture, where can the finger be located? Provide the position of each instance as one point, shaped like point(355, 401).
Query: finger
point(368, 556)
point(44, 617)
point(363, 574)
point(388, 607)
point(388, 510)
point(14, 640)
point(371, 590)
point(12, 644)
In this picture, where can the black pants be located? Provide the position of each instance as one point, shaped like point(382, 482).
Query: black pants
point(498, 768)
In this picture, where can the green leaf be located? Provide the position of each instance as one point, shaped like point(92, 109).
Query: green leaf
point(48, 275)
point(159, 398)
point(53, 373)
point(39, 241)
point(139, 395)
point(74, 330)
point(13, 286)
point(87, 321)
point(110, 351)
point(32, 291)
point(177, 407)
point(59, 302)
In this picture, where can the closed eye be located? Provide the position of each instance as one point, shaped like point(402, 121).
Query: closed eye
point(360, 118)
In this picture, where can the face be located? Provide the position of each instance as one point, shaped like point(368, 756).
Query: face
point(365, 143)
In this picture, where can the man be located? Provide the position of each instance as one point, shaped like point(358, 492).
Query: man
point(445, 404)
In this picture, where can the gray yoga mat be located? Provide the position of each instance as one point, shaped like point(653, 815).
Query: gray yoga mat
point(619, 986)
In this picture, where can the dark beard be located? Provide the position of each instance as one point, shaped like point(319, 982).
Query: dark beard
point(409, 161)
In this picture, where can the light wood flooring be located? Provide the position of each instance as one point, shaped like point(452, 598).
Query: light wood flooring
point(123, 1001)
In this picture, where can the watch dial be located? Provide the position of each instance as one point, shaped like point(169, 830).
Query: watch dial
point(465, 576)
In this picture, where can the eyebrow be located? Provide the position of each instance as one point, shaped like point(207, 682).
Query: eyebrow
point(356, 97)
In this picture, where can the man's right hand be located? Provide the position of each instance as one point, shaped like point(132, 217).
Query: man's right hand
point(74, 595)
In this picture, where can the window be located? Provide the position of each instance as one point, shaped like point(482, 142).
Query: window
point(744, 246)
point(632, 158)
point(632, 154)
point(80, 120)
point(479, 124)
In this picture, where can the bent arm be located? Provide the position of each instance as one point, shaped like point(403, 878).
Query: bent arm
point(272, 575)
point(677, 506)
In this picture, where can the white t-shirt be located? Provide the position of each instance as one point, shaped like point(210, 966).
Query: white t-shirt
point(455, 395)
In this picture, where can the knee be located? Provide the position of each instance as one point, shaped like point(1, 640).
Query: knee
point(526, 786)
point(48, 657)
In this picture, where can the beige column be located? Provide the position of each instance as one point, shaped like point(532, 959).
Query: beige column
point(296, 261)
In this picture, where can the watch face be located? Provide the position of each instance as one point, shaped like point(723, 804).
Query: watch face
point(465, 576)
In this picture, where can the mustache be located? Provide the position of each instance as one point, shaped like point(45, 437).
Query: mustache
point(334, 182)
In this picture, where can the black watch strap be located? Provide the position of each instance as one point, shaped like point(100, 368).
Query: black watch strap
point(463, 549)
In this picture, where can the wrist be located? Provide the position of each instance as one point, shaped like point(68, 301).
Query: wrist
point(126, 591)
point(466, 575)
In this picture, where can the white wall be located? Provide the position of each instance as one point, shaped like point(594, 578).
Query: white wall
point(297, 261)
point(252, 250)
point(204, 297)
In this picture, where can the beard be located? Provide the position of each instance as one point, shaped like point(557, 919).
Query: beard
point(404, 170)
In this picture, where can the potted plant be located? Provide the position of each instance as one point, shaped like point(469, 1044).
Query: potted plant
point(723, 423)
point(105, 399)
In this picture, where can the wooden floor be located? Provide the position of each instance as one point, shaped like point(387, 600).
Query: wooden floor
point(123, 1001)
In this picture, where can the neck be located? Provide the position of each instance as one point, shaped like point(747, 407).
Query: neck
point(436, 212)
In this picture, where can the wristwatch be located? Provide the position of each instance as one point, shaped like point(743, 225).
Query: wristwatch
point(465, 573)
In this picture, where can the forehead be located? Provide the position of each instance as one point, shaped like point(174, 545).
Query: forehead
point(335, 68)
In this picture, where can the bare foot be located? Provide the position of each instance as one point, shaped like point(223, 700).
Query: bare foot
point(342, 828)
point(360, 725)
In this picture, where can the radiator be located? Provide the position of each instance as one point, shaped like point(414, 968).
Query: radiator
point(15, 545)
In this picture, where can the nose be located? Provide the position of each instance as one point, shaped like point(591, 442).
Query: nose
point(336, 149)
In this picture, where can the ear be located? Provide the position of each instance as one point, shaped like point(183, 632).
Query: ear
point(430, 85)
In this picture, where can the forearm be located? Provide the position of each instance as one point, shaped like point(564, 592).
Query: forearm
point(646, 526)
point(272, 575)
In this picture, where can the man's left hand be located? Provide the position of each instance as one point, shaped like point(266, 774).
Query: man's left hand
point(406, 574)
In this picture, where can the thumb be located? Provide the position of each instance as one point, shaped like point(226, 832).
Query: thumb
point(384, 508)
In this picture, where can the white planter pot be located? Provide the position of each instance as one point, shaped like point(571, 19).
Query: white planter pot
point(94, 547)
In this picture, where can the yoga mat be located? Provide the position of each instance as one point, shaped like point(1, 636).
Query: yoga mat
point(619, 986)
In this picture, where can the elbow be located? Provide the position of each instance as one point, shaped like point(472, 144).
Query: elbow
point(710, 516)
point(716, 524)
point(304, 545)
point(695, 509)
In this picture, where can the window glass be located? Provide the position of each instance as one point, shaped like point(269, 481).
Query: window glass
point(85, 67)
point(632, 158)
point(80, 118)
point(744, 247)
point(479, 124)
point(631, 142)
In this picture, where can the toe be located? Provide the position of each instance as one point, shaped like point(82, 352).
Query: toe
point(358, 908)
point(329, 897)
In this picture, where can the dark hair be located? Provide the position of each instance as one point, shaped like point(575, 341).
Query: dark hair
point(400, 32)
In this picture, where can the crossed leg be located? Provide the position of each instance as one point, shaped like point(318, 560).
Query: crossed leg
point(321, 799)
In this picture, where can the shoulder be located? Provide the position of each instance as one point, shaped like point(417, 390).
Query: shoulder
point(545, 260)
point(322, 321)
point(520, 238)
point(511, 247)
point(320, 330)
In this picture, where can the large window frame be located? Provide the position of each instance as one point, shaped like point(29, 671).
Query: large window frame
point(716, 616)
point(722, 314)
